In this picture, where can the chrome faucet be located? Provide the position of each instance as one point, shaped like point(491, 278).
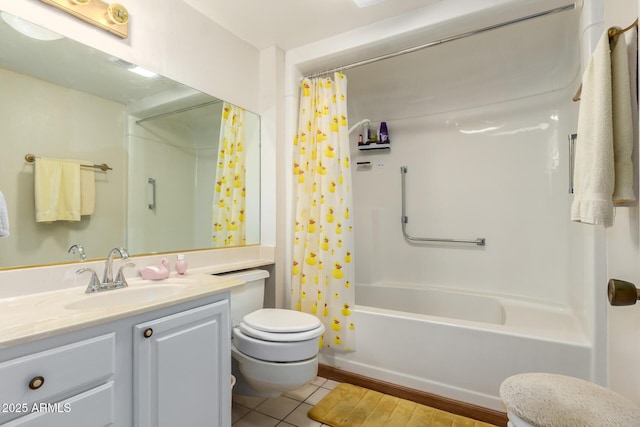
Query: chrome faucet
point(107, 279)
point(108, 282)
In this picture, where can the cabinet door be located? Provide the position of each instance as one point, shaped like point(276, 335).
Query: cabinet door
point(182, 369)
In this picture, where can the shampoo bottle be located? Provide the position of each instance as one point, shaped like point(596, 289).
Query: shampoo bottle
point(367, 131)
point(384, 133)
point(181, 264)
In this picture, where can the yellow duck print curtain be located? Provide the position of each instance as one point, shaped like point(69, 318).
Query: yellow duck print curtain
point(229, 195)
point(323, 272)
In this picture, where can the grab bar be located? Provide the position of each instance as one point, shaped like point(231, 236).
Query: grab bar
point(480, 241)
point(152, 205)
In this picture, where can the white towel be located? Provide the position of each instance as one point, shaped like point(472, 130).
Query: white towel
point(57, 190)
point(623, 130)
point(4, 217)
point(594, 177)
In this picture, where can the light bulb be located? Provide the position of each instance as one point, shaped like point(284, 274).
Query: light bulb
point(365, 3)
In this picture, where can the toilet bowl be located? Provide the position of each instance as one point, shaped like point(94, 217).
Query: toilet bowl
point(276, 350)
point(272, 350)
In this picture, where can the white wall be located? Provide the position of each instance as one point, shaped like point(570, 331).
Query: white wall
point(275, 169)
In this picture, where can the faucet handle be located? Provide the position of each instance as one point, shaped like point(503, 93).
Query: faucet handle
point(94, 283)
point(120, 280)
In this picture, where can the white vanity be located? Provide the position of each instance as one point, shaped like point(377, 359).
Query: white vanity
point(153, 354)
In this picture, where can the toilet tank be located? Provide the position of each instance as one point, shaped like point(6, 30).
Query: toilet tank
point(248, 297)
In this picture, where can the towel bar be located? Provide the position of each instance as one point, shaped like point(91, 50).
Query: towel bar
point(480, 241)
point(30, 158)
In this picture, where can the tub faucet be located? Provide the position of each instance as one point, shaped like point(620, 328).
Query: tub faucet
point(107, 280)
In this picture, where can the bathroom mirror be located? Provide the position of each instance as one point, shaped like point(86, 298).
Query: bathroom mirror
point(64, 100)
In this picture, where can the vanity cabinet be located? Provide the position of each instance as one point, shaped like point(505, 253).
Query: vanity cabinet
point(165, 367)
point(181, 369)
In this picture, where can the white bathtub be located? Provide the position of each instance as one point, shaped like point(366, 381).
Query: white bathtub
point(459, 345)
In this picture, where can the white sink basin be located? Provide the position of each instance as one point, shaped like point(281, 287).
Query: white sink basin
point(125, 296)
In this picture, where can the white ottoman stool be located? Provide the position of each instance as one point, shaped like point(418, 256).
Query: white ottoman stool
point(550, 400)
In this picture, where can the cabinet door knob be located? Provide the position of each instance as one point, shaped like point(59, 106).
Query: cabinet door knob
point(36, 382)
point(148, 332)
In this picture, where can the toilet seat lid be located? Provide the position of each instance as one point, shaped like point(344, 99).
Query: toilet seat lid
point(281, 321)
point(289, 337)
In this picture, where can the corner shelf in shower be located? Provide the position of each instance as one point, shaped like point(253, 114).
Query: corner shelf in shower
point(375, 146)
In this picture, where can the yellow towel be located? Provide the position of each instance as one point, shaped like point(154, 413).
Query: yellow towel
point(57, 190)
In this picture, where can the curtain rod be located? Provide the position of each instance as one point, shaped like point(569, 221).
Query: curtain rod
point(182, 110)
point(442, 41)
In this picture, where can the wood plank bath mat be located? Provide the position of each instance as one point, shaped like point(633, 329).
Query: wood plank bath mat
point(352, 406)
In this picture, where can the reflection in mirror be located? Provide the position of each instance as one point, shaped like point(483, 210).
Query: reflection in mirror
point(63, 100)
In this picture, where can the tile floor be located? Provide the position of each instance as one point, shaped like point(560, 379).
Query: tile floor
point(290, 409)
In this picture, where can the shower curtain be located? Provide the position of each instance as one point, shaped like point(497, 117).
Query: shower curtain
point(229, 195)
point(323, 269)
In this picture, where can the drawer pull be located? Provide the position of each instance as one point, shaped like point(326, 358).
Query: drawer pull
point(36, 382)
point(148, 332)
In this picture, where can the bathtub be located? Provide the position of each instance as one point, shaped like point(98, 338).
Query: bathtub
point(459, 345)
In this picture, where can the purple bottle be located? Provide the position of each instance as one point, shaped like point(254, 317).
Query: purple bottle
point(384, 133)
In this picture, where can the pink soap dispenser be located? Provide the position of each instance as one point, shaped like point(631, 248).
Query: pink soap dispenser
point(181, 264)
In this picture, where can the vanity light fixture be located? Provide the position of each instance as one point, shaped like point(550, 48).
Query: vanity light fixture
point(365, 3)
point(110, 17)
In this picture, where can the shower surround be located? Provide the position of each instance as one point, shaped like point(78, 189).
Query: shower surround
point(482, 125)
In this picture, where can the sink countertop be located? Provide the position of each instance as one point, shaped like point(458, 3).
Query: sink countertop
point(40, 315)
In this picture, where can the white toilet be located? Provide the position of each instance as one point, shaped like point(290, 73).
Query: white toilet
point(272, 350)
